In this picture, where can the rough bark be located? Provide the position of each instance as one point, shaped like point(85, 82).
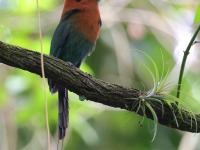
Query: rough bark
point(96, 90)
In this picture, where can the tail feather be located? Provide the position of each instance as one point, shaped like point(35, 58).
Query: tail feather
point(63, 114)
point(63, 108)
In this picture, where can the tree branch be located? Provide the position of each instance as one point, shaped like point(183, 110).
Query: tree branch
point(96, 90)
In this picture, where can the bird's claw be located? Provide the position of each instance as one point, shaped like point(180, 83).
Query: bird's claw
point(71, 64)
point(89, 75)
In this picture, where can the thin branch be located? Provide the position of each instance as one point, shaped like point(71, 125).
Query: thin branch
point(93, 89)
point(186, 53)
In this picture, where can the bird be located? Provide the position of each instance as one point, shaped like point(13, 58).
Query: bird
point(73, 40)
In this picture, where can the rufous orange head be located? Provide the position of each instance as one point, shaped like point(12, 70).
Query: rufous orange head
point(87, 20)
point(79, 4)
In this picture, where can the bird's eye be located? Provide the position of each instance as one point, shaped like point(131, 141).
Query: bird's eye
point(78, 0)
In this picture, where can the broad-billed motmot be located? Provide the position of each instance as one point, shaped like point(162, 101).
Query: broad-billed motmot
point(74, 38)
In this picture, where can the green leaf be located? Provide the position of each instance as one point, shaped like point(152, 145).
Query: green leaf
point(197, 15)
point(155, 118)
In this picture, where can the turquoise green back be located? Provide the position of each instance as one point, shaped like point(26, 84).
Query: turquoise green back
point(68, 44)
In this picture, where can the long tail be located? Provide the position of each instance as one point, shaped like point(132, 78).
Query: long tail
point(63, 107)
point(63, 114)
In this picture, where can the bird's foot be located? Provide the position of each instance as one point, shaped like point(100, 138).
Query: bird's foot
point(71, 64)
point(89, 75)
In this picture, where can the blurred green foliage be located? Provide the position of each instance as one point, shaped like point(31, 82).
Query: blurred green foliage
point(197, 14)
point(151, 26)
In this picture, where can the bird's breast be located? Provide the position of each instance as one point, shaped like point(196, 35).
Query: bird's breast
point(88, 23)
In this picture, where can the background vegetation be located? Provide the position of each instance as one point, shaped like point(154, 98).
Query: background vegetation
point(151, 26)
